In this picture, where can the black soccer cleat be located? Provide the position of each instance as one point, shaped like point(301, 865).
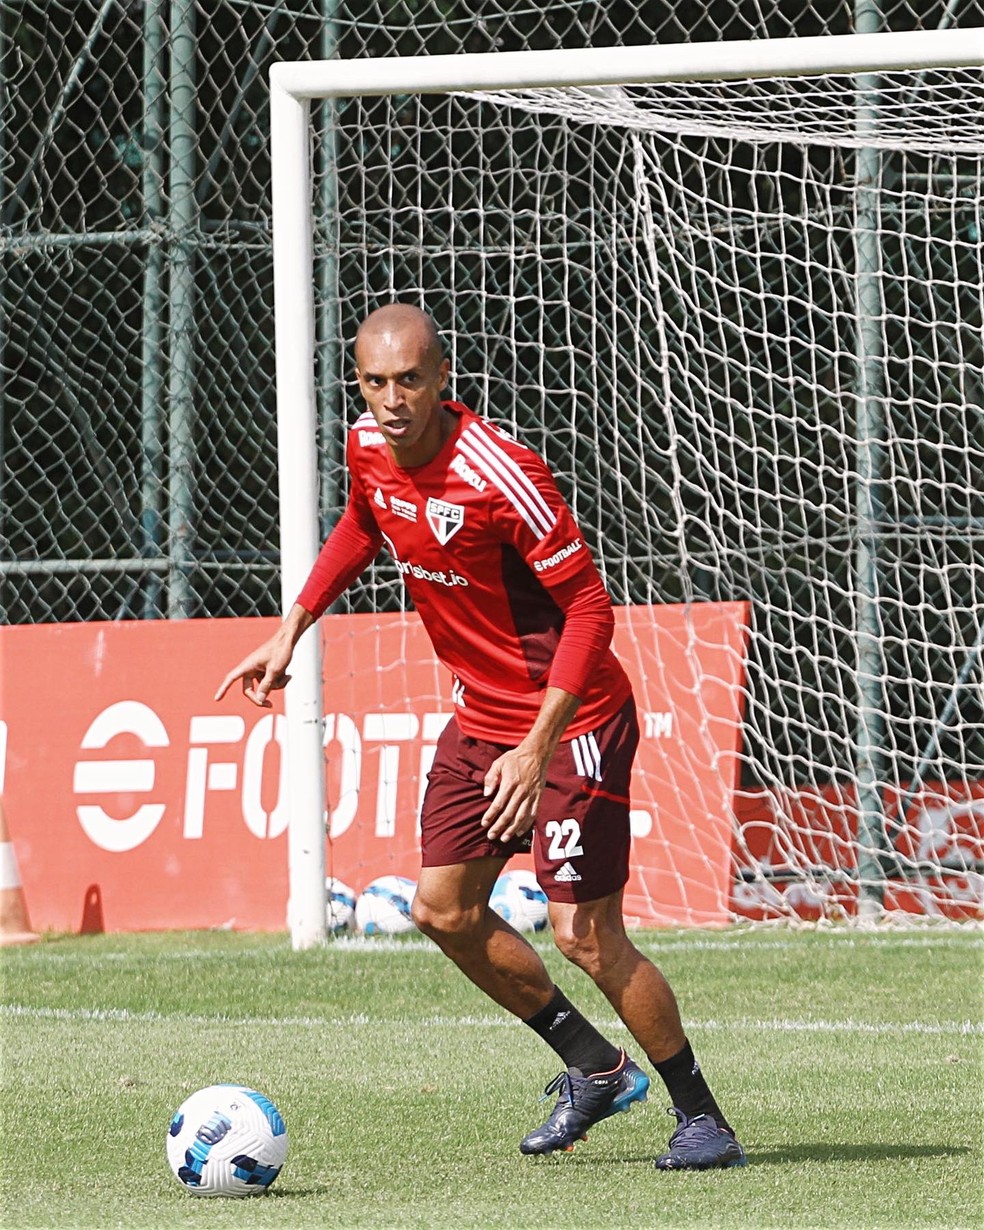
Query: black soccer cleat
point(700, 1144)
point(582, 1102)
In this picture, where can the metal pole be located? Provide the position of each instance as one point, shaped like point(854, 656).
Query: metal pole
point(869, 738)
point(293, 296)
point(592, 66)
point(182, 216)
point(329, 388)
point(330, 384)
point(3, 323)
point(152, 341)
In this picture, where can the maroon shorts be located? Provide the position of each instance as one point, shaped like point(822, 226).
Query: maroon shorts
point(580, 840)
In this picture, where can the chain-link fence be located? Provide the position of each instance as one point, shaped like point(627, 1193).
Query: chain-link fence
point(707, 289)
point(137, 402)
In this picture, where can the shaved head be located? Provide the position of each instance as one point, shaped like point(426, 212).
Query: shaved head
point(400, 322)
point(402, 371)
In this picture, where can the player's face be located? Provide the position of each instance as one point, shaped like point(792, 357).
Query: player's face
point(401, 378)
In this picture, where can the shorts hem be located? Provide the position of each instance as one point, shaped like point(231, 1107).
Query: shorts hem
point(502, 855)
point(577, 894)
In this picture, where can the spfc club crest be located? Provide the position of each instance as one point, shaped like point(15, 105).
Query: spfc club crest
point(444, 519)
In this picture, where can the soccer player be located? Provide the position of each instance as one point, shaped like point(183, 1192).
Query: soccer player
point(540, 748)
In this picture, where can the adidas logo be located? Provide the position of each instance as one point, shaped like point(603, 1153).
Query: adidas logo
point(379, 498)
point(566, 874)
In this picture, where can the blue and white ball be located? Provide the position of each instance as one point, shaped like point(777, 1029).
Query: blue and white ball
point(340, 906)
point(519, 899)
point(383, 907)
point(226, 1140)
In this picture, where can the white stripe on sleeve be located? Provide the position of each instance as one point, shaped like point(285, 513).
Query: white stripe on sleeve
point(509, 477)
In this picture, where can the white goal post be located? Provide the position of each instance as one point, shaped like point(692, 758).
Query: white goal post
point(590, 74)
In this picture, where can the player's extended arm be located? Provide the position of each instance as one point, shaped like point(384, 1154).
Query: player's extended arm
point(265, 669)
point(349, 549)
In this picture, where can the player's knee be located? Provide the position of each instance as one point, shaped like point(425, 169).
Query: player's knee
point(425, 918)
point(582, 948)
point(589, 942)
point(445, 922)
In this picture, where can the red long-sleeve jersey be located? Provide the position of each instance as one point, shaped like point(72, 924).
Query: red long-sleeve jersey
point(496, 566)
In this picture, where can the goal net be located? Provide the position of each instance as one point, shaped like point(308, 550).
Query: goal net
point(741, 316)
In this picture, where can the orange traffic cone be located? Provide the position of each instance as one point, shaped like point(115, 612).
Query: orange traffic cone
point(14, 927)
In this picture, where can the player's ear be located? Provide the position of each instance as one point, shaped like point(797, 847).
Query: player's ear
point(444, 371)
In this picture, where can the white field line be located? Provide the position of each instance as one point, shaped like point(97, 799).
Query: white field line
point(379, 944)
point(354, 1020)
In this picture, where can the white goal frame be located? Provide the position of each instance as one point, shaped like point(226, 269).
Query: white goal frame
point(293, 86)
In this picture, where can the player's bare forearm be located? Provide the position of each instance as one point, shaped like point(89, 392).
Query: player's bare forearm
point(265, 669)
point(515, 781)
point(556, 714)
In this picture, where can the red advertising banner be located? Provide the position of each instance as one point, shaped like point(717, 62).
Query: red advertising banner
point(782, 833)
point(135, 802)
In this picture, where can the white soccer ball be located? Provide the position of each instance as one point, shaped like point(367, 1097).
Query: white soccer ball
point(340, 913)
point(226, 1140)
point(519, 899)
point(383, 907)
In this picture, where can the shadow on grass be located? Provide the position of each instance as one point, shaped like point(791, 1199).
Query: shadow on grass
point(288, 1192)
point(823, 1152)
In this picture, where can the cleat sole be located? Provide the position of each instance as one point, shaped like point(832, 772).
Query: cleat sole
point(683, 1166)
point(559, 1149)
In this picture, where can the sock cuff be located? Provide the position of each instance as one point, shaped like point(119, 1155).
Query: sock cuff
point(547, 1014)
point(683, 1061)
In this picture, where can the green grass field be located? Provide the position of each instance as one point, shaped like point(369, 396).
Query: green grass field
point(851, 1063)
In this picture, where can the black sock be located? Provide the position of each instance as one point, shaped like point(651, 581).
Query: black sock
point(687, 1088)
point(581, 1047)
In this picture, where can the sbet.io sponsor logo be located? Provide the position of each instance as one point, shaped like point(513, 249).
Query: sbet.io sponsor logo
point(447, 577)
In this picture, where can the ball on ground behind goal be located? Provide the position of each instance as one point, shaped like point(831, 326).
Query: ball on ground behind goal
point(383, 907)
point(340, 906)
point(519, 899)
point(226, 1140)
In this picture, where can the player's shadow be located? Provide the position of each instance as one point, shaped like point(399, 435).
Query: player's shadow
point(822, 1152)
point(828, 1151)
